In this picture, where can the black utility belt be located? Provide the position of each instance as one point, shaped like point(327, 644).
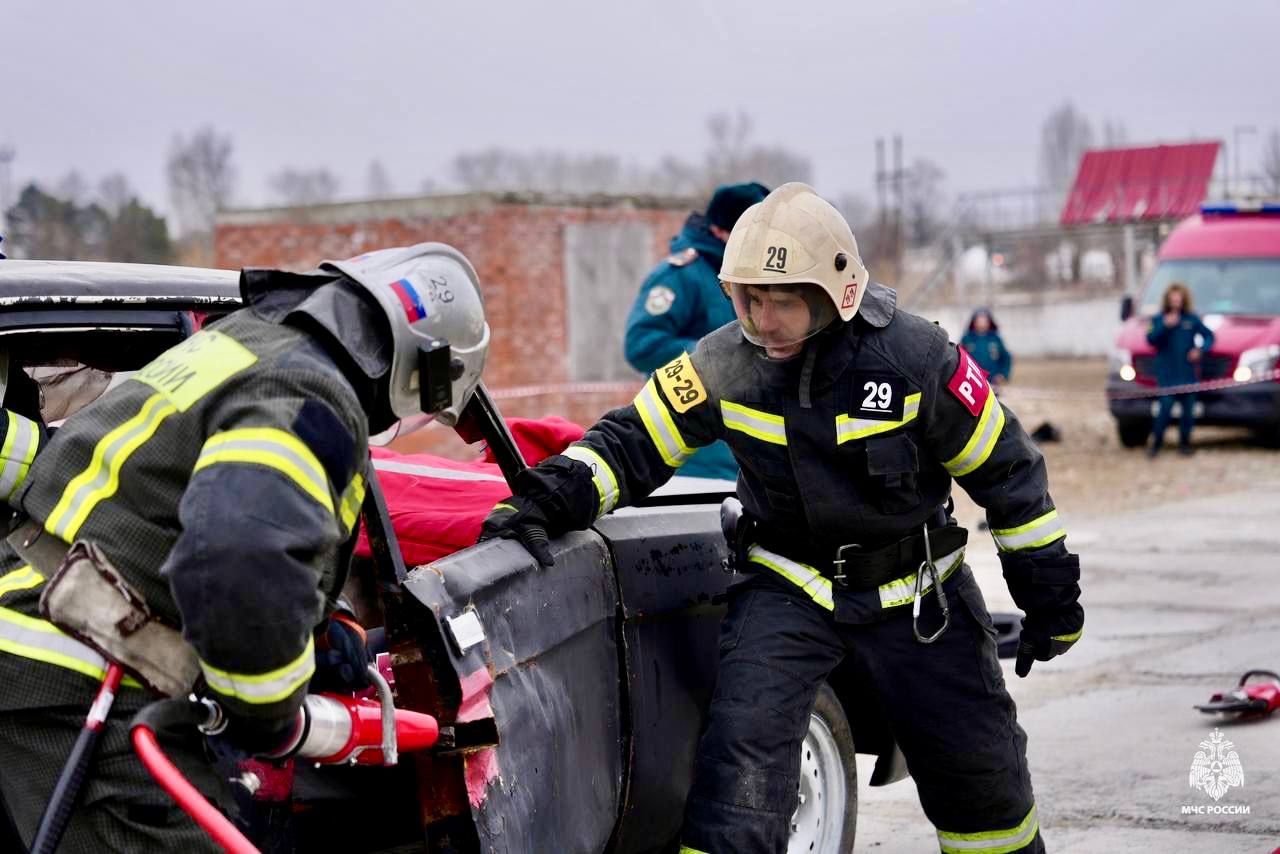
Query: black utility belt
point(852, 566)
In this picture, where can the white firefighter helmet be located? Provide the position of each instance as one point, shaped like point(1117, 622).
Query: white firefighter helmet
point(430, 294)
point(793, 243)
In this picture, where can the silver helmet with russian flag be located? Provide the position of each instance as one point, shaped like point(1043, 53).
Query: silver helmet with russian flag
point(430, 294)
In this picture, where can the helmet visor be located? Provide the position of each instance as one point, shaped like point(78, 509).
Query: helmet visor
point(780, 317)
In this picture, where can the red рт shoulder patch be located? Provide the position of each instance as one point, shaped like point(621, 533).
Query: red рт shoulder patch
point(969, 384)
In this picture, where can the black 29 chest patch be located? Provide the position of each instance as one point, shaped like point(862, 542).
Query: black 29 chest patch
point(878, 397)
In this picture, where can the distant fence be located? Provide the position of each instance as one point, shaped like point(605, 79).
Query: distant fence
point(1078, 328)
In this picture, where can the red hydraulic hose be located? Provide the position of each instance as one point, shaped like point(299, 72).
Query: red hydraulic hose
point(188, 797)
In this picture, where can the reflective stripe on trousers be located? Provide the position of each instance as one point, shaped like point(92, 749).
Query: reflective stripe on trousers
point(992, 841)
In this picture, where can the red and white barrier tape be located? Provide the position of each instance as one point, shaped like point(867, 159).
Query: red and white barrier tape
point(565, 388)
point(1030, 393)
point(1138, 393)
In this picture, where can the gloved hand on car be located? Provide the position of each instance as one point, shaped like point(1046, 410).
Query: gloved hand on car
point(342, 656)
point(517, 518)
point(1048, 590)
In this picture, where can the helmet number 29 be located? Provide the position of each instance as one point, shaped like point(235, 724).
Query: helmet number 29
point(777, 259)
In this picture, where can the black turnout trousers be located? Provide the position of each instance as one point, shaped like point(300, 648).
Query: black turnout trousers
point(946, 702)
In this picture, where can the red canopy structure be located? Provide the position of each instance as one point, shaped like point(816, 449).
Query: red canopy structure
point(1157, 182)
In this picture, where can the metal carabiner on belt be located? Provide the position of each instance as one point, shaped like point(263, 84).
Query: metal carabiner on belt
point(927, 565)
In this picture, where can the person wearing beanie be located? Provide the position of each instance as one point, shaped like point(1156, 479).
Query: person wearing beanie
point(681, 301)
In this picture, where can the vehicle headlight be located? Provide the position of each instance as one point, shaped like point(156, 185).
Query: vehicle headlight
point(1255, 361)
point(1122, 364)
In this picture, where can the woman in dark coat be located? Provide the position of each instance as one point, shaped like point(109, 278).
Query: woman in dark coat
point(983, 342)
point(1173, 333)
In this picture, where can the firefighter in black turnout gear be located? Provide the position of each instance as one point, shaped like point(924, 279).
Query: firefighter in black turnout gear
point(223, 483)
point(850, 420)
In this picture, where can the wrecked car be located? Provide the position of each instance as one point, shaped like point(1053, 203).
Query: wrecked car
point(574, 694)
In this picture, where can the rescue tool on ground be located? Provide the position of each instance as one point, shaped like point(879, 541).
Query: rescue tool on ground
point(1248, 699)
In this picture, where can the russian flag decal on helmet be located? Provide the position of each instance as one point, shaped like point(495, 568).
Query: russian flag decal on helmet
point(413, 307)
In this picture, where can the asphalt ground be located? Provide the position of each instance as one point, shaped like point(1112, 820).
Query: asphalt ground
point(1181, 594)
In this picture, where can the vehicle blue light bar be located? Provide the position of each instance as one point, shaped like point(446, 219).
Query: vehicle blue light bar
point(1240, 208)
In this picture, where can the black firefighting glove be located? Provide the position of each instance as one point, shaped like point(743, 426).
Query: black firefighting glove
point(517, 518)
point(342, 657)
point(1048, 590)
point(555, 496)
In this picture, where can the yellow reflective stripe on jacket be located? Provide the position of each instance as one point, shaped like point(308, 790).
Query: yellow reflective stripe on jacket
point(21, 439)
point(601, 475)
point(1038, 532)
point(263, 688)
point(101, 478)
point(849, 429)
point(275, 449)
point(22, 578)
point(761, 425)
point(352, 499)
point(992, 841)
point(801, 575)
point(1071, 638)
point(662, 430)
point(901, 591)
point(981, 443)
point(41, 640)
point(685, 849)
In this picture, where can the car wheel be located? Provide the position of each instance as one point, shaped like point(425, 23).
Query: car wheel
point(1133, 431)
point(827, 808)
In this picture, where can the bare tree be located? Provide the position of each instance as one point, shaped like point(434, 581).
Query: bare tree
point(201, 178)
point(856, 211)
point(1064, 137)
point(1114, 133)
point(377, 183)
point(1271, 163)
point(732, 157)
point(300, 188)
point(73, 188)
point(114, 193)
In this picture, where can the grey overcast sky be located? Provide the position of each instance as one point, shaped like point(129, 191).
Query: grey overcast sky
point(101, 87)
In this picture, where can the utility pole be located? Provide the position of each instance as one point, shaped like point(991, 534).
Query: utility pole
point(890, 190)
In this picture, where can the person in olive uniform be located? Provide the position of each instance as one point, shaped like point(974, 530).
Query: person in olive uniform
point(223, 482)
point(850, 419)
point(681, 301)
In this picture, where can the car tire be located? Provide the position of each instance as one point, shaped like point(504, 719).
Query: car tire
point(826, 814)
point(1133, 432)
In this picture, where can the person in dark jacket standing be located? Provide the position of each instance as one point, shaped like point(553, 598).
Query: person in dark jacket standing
point(681, 301)
point(851, 419)
point(1173, 333)
point(984, 344)
point(222, 483)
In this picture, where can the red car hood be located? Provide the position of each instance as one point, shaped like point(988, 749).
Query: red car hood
point(1232, 334)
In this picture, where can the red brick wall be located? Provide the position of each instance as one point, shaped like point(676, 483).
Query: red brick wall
point(518, 251)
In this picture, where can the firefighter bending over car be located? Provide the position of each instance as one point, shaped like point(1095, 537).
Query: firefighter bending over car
point(222, 484)
point(850, 419)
